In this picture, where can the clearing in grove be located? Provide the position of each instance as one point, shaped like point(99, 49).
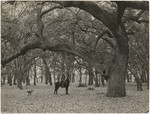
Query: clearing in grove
point(79, 100)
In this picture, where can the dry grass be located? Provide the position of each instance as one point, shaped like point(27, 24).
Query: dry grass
point(80, 100)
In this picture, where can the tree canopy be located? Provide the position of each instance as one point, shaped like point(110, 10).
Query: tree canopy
point(104, 34)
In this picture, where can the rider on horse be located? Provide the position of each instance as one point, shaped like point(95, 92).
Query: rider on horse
point(64, 83)
point(62, 80)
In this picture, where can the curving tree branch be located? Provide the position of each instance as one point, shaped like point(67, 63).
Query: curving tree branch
point(107, 18)
point(144, 5)
point(104, 16)
point(108, 41)
point(68, 48)
point(49, 10)
point(120, 11)
point(122, 5)
point(24, 50)
point(40, 14)
point(136, 18)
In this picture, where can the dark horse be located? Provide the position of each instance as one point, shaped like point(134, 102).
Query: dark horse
point(65, 84)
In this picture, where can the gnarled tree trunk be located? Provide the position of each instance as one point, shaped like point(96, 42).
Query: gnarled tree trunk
point(73, 77)
point(35, 73)
point(54, 70)
point(80, 74)
point(116, 82)
point(91, 75)
point(96, 79)
point(118, 72)
point(3, 82)
point(15, 78)
point(47, 73)
point(10, 79)
point(27, 78)
point(19, 81)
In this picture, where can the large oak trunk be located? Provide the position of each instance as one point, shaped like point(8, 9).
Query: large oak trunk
point(118, 72)
point(116, 82)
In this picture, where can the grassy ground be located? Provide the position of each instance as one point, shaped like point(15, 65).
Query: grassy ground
point(80, 100)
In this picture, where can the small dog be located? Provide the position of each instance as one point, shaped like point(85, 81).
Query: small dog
point(91, 88)
point(29, 92)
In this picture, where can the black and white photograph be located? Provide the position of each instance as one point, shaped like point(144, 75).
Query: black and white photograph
point(74, 56)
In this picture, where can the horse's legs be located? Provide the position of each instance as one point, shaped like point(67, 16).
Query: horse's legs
point(67, 89)
point(55, 91)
